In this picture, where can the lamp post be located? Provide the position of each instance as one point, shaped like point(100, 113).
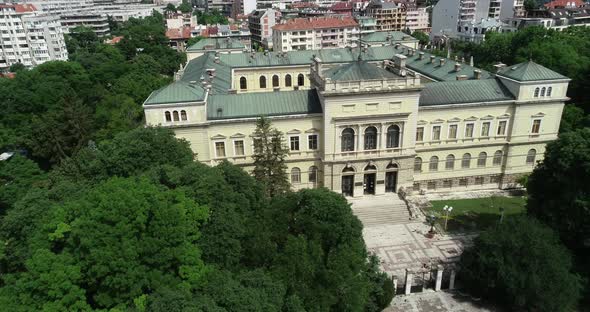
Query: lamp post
point(447, 210)
point(501, 214)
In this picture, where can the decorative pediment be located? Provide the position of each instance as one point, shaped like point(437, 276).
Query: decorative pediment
point(294, 131)
point(487, 117)
point(422, 122)
point(437, 121)
point(237, 135)
point(537, 115)
point(218, 137)
point(312, 130)
point(472, 118)
point(504, 116)
point(456, 119)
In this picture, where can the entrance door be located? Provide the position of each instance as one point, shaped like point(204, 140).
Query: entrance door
point(369, 184)
point(390, 181)
point(348, 185)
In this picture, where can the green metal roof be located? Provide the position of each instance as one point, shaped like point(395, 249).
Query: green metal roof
point(196, 70)
point(216, 44)
point(177, 92)
point(529, 71)
point(464, 91)
point(243, 105)
point(381, 36)
point(358, 70)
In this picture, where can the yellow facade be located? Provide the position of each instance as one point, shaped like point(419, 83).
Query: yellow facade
point(499, 136)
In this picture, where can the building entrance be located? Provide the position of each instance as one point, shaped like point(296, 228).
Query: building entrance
point(390, 181)
point(369, 184)
point(348, 185)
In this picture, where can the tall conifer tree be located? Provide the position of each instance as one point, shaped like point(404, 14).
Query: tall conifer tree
point(269, 158)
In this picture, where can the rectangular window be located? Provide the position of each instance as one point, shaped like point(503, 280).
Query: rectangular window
point(312, 142)
point(479, 180)
point(502, 127)
point(419, 134)
point(462, 182)
point(436, 133)
point(220, 149)
point(416, 186)
point(294, 140)
point(469, 130)
point(536, 126)
point(431, 186)
point(448, 183)
point(485, 129)
point(452, 131)
point(239, 148)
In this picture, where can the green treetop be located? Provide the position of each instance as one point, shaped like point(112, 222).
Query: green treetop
point(269, 158)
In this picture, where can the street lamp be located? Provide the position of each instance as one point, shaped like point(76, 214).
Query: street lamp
point(447, 210)
point(501, 214)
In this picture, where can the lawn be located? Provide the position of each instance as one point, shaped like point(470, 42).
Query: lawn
point(478, 213)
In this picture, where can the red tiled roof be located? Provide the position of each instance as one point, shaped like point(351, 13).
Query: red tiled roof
point(340, 6)
point(317, 23)
point(564, 4)
point(179, 33)
point(115, 40)
point(26, 7)
point(301, 5)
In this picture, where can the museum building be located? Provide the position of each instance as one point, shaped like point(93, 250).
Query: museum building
point(365, 121)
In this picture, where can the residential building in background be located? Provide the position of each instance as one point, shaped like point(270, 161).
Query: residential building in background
point(388, 15)
point(558, 19)
point(260, 23)
point(29, 37)
point(449, 17)
point(417, 19)
point(315, 33)
point(99, 23)
point(215, 45)
point(476, 32)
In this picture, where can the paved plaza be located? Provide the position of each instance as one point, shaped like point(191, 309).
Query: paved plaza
point(441, 301)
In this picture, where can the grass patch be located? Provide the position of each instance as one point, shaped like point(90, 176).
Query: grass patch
point(477, 214)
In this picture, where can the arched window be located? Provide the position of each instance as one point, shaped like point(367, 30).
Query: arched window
point(243, 83)
point(433, 165)
point(288, 82)
point(530, 157)
point(312, 174)
point(168, 116)
point(549, 91)
point(348, 170)
point(392, 166)
point(497, 158)
point(275, 81)
point(175, 115)
point(418, 164)
point(536, 92)
point(347, 141)
point(543, 91)
point(300, 80)
point(183, 115)
point(393, 136)
point(481, 159)
point(370, 138)
point(450, 163)
point(370, 168)
point(295, 175)
point(466, 160)
point(262, 82)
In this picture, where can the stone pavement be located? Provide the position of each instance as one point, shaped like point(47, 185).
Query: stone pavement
point(399, 243)
point(441, 301)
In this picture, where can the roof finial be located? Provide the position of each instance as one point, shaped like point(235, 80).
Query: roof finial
point(471, 61)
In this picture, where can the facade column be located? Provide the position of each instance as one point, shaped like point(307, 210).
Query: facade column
point(452, 280)
point(409, 278)
point(439, 275)
point(361, 140)
point(394, 281)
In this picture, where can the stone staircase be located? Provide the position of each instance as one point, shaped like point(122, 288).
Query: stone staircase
point(383, 209)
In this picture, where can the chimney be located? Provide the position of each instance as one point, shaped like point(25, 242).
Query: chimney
point(217, 60)
point(399, 61)
point(266, 52)
point(457, 67)
point(461, 77)
point(499, 66)
point(477, 74)
point(420, 55)
point(397, 46)
point(442, 62)
point(432, 57)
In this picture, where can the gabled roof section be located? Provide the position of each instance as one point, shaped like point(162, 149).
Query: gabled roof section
point(464, 91)
point(196, 70)
point(384, 36)
point(359, 70)
point(177, 92)
point(529, 71)
point(216, 44)
point(229, 106)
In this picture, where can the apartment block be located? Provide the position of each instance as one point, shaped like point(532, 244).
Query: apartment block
point(389, 15)
point(315, 33)
point(28, 37)
point(260, 23)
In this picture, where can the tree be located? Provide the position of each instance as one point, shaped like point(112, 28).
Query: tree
point(81, 37)
point(269, 158)
point(17, 175)
point(185, 7)
point(572, 118)
point(16, 67)
point(522, 264)
point(193, 40)
point(170, 8)
point(558, 187)
point(422, 37)
point(211, 18)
